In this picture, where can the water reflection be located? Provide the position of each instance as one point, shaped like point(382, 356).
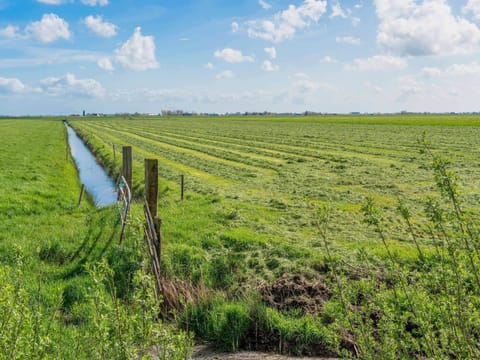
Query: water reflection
point(96, 180)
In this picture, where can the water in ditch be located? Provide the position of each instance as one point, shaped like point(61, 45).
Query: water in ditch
point(96, 180)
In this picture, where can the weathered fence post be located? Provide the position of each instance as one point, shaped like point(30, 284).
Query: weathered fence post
point(182, 185)
point(82, 193)
point(127, 165)
point(151, 197)
point(151, 185)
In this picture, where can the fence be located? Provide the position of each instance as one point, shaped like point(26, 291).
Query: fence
point(124, 201)
point(153, 237)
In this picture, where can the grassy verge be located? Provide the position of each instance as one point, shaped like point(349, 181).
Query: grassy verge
point(67, 290)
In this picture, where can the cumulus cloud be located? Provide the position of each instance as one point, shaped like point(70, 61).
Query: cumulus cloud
point(49, 29)
point(285, 24)
point(51, 2)
point(410, 86)
point(209, 66)
point(95, 2)
point(328, 60)
point(348, 40)
point(10, 32)
point(11, 86)
point(473, 7)
point(105, 64)
point(271, 52)
point(338, 11)
point(378, 63)
point(100, 27)
point(138, 53)
point(70, 85)
point(227, 74)
point(455, 70)
point(264, 4)
point(429, 28)
point(269, 67)
point(235, 27)
point(232, 56)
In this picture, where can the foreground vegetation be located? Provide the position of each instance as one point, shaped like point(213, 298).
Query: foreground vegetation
point(67, 291)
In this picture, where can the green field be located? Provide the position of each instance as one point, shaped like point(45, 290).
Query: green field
point(289, 239)
point(270, 173)
point(56, 258)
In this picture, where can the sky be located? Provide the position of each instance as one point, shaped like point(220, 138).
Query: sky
point(60, 57)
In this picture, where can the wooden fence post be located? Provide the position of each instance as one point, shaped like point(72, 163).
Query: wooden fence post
point(127, 165)
point(82, 193)
point(151, 197)
point(182, 185)
point(158, 230)
point(151, 185)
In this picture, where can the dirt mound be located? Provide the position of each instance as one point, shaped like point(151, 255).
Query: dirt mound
point(296, 292)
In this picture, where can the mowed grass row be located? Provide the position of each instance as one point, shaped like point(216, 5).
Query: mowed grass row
point(338, 160)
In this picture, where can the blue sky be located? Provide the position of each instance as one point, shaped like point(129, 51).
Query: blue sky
point(63, 56)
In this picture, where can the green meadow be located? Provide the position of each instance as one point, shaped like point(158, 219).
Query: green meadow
point(337, 236)
point(63, 278)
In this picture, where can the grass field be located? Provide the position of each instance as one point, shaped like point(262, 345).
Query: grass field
point(269, 173)
point(289, 239)
point(254, 225)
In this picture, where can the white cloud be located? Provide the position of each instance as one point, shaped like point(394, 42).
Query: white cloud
point(138, 53)
point(10, 32)
point(272, 52)
point(227, 74)
point(348, 40)
point(472, 6)
point(11, 86)
point(286, 23)
point(264, 4)
point(51, 2)
point(328, 60)
point(431, 72)
point(375, 88)
point(235, 27)
point(410, 87)
point(429, 28)
point(70, 85)
point(100, 27)
point(355, 21)
point(232, 56)
point(209, 66)
point(269, 67)
point(378, 63)
point(105, 64)
point(455, 70)
point(49, 29)
point(337, 11)
point(307, 86)
point(95, 2)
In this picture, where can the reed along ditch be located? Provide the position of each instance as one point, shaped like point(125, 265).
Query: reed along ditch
point(96, 180)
